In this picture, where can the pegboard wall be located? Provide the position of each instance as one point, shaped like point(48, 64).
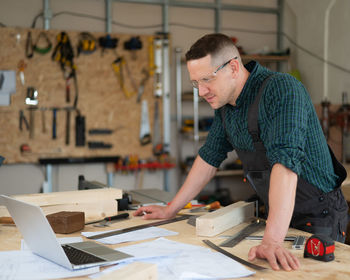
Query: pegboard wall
point(101, 99)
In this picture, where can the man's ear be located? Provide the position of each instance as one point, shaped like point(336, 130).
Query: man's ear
point(234, 67)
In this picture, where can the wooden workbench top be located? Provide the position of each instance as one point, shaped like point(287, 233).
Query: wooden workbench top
point(310, 269)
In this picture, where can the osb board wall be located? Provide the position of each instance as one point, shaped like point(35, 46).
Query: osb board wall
point(101, 99)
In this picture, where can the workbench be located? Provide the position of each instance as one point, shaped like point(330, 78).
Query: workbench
point(310, 269)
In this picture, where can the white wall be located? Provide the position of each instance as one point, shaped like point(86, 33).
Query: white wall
point(303, 23)
point(310, 20)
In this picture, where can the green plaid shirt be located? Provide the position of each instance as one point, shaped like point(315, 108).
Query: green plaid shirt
point(289, 128)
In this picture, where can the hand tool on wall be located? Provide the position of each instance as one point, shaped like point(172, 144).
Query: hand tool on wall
point(107, 42)
point(79, 130)
point(22, 119)
point(68, 113)
point(212, 206)
point(32, 101)
point(21, 66)
point(32, 97)
point(42, 48)
point(99, 145)
point(43, 119)
point(118, 66)
point(31, 121)
point(239, 236)
point(54, 123)
point(98, 131)
point(29, 45)
point(87, 43)
point(64, 54)
point(319, 247)
point(145, 132)
point(133, 45)
point(142, 84)
point(232, 256)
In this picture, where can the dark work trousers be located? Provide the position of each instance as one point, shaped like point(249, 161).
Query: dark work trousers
point(315, 211)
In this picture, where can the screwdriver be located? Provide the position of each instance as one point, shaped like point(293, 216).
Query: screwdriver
point(212, 206)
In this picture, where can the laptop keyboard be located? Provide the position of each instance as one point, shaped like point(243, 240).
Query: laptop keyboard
point(78, 257)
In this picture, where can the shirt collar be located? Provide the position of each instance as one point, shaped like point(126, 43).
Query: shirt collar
point(253, 68)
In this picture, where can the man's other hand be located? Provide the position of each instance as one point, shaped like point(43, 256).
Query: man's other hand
point(154, 212)
point(275, 254)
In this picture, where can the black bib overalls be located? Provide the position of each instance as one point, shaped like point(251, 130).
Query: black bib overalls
point(315, 211)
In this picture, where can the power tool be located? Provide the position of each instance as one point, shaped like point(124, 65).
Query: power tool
point(319, 247)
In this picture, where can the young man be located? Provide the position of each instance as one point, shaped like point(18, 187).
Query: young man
point(269, 119)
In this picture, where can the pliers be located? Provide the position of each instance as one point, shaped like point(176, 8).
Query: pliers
point(22, 119)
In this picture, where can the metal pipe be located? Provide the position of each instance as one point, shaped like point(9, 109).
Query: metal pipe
point(108, 16)
point(165, 13)
point(325, 50)
point(47, 14)
point(218, 16)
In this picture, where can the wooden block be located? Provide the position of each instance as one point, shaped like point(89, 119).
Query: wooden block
point(66, 222)
point(225, 218)
point(133, 271)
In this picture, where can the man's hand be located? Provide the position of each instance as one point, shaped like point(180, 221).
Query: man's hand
point(154, 212)
point(275, 254)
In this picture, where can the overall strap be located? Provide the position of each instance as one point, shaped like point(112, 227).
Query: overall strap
point(253, 114)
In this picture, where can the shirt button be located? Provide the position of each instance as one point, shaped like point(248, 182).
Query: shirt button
point(321, 198)
point(324, 212)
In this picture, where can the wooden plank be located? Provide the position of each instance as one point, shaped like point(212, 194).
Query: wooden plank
point(222, 219)
point(133, 271)
point(96, 203)
point(82, 196)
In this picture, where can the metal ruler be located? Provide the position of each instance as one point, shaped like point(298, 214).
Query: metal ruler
point(125, 230)
point(238, 259)
point(248, 230)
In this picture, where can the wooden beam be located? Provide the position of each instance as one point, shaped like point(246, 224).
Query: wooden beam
point(225, 218)
point(95, 203)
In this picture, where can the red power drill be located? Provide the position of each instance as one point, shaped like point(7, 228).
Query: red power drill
point(319, 247)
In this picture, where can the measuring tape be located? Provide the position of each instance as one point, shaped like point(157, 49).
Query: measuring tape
point(319, 247)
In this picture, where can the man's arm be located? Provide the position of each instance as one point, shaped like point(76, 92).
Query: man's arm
point(282, 192)
point(200, 174)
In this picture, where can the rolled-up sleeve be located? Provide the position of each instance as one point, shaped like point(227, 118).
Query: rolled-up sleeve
point(287, 124)
point(216, 147)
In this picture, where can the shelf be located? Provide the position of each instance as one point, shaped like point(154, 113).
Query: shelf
point(190, 135)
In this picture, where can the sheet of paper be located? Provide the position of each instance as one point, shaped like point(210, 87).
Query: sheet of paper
point(26, 265)
point(137, 235)
point(183, 261)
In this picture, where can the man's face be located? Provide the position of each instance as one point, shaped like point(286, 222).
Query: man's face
point(217, 89)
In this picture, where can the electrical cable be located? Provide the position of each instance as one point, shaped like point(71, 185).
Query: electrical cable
point(341, 68)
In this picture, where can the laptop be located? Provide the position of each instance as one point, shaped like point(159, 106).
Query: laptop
point(41, 239)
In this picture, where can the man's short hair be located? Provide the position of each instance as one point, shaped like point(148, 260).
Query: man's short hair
point(210, 44)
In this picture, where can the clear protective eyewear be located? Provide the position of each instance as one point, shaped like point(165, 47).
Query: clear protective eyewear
point(207, 80)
